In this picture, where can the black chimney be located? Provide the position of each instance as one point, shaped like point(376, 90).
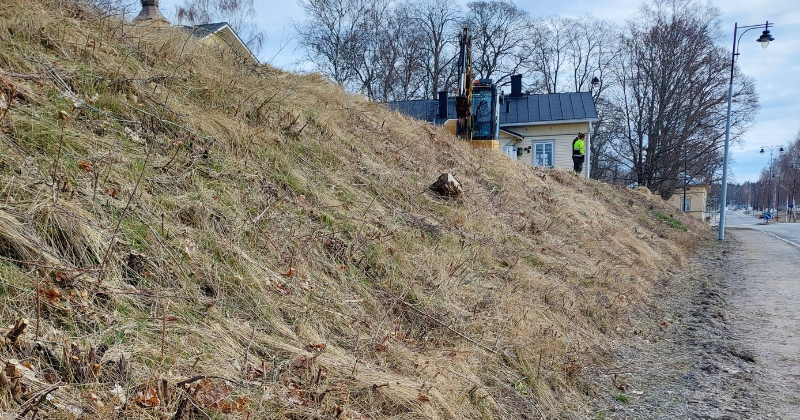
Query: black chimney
point(516, 85)
point(150, 12)
point(443, 104)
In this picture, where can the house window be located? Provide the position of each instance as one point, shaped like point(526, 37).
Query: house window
point(687, 204)
point(543, 154)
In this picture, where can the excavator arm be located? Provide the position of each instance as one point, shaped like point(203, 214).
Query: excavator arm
point(463, 100)
point(476, 102)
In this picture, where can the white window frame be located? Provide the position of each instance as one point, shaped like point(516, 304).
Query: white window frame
point(552, 144)
point(687, 203)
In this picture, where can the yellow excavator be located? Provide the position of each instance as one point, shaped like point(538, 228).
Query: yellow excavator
point(477, 103)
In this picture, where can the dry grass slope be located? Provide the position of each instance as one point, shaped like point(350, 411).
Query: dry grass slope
point(186, 215)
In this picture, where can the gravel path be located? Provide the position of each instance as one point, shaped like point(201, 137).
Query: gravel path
point(722, 342)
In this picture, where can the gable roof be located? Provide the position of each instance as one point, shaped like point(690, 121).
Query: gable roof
point(210, 28)
point(516, 110)
point(224, 32)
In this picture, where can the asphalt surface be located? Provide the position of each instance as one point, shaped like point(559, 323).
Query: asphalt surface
point(788, 232)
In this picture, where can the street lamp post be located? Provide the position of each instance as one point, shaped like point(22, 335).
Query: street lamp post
point(794, 179)
point(769, 192)
point(685, 179)
point(778, 200)
point(764, 39)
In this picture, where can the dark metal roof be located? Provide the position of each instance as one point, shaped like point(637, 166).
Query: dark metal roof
point(555, 107)
point(209, 28)
point(522, 110)
point(422, 109)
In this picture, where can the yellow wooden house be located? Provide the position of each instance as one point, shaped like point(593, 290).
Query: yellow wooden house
point(695, 203)
point(534, 129)
point(222, 35)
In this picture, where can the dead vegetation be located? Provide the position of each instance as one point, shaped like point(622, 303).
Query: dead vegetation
point(189, 236)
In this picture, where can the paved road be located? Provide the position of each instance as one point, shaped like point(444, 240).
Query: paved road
point(788, 232)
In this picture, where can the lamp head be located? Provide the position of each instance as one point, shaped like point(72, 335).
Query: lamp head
point(765, 38)
point(762, 151)
point(780, 150)
point(595, 81)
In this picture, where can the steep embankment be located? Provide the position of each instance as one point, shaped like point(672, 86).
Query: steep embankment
point(186, 215)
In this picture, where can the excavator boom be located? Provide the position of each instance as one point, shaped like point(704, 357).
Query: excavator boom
point(463, 101)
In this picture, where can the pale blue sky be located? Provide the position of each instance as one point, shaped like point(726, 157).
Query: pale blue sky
point(776, 69)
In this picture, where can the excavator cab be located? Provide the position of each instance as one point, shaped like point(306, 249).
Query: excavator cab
point(485, 110)
point(476, 103)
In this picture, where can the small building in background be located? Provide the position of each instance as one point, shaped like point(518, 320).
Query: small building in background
point(695, 203)
point(212, 34)
point(222, 35)
point(535, 129)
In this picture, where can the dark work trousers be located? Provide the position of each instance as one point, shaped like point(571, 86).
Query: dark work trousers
point(577, 161)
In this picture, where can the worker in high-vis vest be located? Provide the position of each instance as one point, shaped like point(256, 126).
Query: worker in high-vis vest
point(578, 152)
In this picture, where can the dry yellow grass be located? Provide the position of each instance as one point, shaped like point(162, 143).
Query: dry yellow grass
point(279, 233)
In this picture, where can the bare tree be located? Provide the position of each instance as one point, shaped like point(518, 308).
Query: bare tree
point(238, 14)
point(565, 55)
point(786, 176)
point(403, 69)
point(330, 37)
point(605, 161)
point(435, 21)
point(548, 52)
point(369, 59)
point(499, 31)
point(592, 50)
point(672, 94)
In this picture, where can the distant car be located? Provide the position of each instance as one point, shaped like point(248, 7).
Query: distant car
point(761, 216)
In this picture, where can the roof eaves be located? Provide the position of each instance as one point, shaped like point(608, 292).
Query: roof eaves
point(526, 123)
point(208, 29)
point(513, 133)
point(253, 56)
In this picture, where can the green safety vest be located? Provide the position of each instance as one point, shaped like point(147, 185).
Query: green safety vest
point(578, 147)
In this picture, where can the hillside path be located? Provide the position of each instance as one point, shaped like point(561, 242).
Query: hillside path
point(731, 348)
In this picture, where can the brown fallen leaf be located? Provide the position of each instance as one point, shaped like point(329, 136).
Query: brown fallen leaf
point(316, 346)
point(96, 401)
point(229, 406)
point(294, 394)
point(149, 398)
point(52, 295)
point(62, 277)
point(282, 287)
point(383, 345)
